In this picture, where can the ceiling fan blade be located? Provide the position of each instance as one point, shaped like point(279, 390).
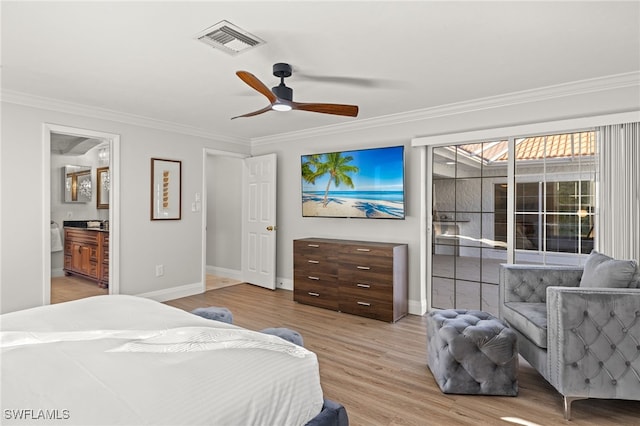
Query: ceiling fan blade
point(256, 84)
point(335, 109)
point(349, 81)
point(251, 114)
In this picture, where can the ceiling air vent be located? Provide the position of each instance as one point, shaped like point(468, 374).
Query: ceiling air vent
point(229, 38)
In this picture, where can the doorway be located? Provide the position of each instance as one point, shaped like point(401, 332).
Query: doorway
point(64, 148)
point(239, 216)
point(222, 205)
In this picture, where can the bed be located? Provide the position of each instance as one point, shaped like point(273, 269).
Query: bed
point(126, 360)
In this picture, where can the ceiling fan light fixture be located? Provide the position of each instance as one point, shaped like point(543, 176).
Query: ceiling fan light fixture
point(281, 107)
point(281, 97)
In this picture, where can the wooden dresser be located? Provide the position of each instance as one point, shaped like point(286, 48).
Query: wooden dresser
point(357, 277)
point(85, 255)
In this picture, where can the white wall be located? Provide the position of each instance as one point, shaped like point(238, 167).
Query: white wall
point(143, 243)
point(224, 221)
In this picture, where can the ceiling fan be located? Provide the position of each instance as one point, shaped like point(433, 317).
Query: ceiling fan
point(281, 96)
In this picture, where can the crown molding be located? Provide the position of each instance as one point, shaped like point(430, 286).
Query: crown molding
point(612, 82)
point(33, 101)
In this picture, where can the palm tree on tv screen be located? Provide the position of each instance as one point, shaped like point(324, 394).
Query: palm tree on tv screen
point(310, 166)
point(335, 165)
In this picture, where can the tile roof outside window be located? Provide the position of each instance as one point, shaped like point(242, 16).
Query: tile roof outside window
point(565, 145)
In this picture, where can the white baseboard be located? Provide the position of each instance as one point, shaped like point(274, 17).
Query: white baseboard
point(174, 292)
point(234, 274)
point(281, 283)
point(417, 307)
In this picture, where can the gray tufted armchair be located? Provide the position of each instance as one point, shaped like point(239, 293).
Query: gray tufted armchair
point(584, 341)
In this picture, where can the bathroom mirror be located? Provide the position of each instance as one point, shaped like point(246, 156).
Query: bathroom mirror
point(102, 187)
point(77, 184)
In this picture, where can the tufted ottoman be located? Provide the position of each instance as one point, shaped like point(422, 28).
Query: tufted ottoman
point(472, 352)
point(215, 313)
point(286, 334)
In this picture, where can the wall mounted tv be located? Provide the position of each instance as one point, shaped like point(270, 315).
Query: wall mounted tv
point(364, 183)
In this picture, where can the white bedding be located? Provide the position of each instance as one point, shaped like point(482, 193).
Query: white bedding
point(125, 360)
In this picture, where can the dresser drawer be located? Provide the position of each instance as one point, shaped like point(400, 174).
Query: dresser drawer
point(324, 295)
point(313, 247)
point(369, 273)
point(366, 250)
point(368, 308)
point(365, 291)
point(314, 278)
point(310, 262)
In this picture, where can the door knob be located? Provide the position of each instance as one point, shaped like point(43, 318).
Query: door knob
point(271, 228)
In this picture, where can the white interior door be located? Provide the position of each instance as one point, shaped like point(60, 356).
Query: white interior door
point(259, 221)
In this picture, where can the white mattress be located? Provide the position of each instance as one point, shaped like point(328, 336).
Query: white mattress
point(125, 360)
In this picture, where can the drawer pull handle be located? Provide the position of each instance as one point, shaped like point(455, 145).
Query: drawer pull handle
point(363, 249)
point(364, 268)
point(314, 278)
point(313, 261)
point(364, 304)
point(314, 294)
point(314, 245)
point(363, 285)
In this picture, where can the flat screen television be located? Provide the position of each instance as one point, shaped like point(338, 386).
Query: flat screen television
point(364, 183)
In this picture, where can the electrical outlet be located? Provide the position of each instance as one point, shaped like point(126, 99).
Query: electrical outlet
point(159, 270)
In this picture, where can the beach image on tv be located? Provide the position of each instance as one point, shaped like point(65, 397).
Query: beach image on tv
point(366, 183)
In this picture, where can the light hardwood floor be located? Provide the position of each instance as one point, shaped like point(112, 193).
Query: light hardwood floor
point(378, 370)
point(214, 282)
point(64, 289)
point(67, 288)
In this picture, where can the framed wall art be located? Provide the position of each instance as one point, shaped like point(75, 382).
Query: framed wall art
point(166, 189)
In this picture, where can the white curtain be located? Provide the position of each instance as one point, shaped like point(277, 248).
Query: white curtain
point(618, 230)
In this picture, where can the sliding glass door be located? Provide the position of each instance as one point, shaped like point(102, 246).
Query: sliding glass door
point(486, 211)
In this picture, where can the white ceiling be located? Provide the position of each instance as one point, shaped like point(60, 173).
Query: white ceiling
point(140, 58)
point(72, 145)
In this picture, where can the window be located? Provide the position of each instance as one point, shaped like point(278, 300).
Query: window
point(551, 216)
point(554, 204)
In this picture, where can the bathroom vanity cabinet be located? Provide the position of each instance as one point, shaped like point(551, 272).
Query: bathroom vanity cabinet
point(86, 253)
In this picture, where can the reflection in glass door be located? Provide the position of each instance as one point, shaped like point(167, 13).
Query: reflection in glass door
point(466, 246)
